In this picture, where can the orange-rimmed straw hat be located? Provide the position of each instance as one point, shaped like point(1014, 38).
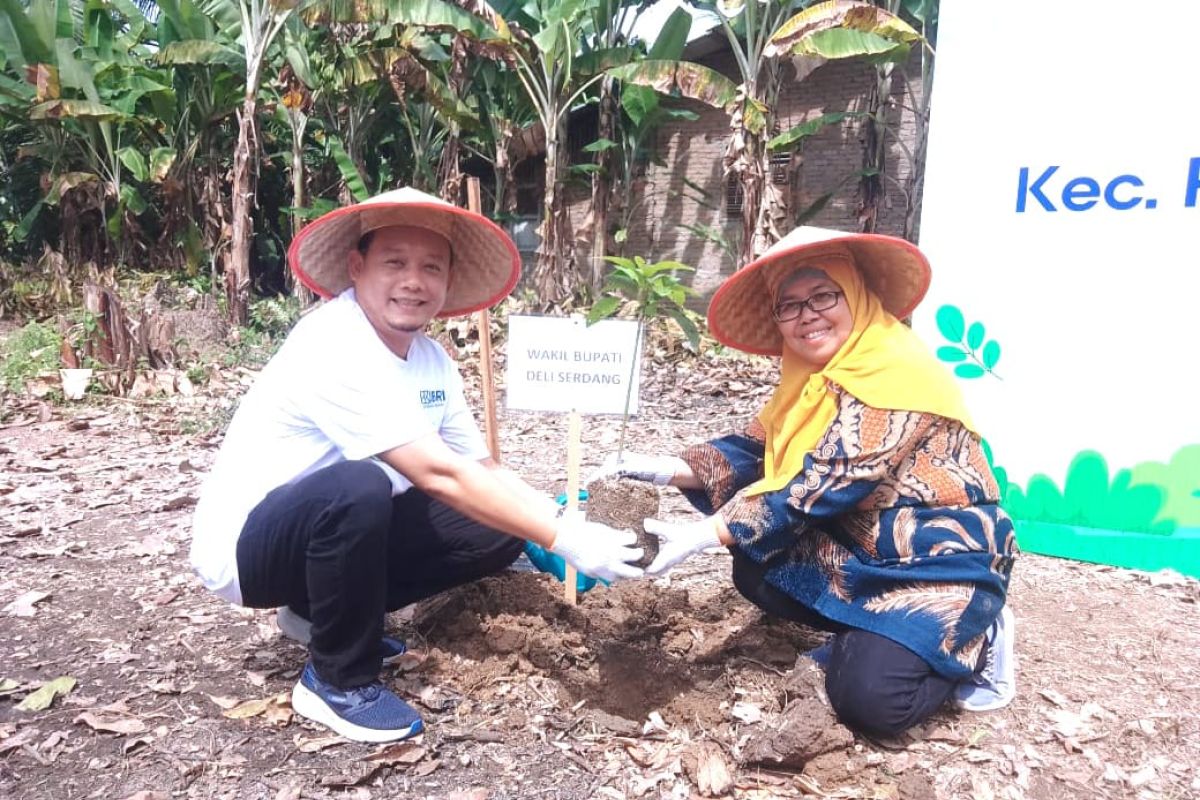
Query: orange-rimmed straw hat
point(485, 264)
point(739, 315)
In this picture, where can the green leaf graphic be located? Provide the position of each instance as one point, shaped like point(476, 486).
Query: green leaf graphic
point(975, 335)
point(972, 363)
point(969, 371)
point(991, 354)
point(951, 353)
point(951, 323)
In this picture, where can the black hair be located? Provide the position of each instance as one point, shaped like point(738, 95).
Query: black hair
point(364, 241)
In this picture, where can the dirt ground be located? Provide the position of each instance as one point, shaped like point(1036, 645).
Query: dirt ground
point(673, 688)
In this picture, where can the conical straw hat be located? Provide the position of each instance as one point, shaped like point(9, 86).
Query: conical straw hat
point(485, 264)
point(740, 312)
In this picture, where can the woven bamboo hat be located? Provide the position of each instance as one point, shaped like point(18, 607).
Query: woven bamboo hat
point(740, 312)
point(485, 264)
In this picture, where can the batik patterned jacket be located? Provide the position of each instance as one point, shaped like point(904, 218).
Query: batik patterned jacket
point(892, 527)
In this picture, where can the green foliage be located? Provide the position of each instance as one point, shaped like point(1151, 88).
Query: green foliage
point(649, 292)
point(973, 354)
point(270, 321)
point(28, 352)
point(274, 316)
point(1089, 499)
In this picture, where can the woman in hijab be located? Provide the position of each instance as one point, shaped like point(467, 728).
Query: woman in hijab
point(860, 500)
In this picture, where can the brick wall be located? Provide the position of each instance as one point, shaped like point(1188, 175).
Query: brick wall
point(693, 152)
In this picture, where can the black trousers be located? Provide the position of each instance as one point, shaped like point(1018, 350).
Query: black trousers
point(874, 684)
point(341, 551)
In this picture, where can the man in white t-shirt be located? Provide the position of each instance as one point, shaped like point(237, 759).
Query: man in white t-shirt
point(353, 479)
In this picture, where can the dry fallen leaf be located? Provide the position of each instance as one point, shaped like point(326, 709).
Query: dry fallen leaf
point(41, 699)
point(23, 606)
point(146, 794)
point(112, 724)
point(746, 712)
point(25, 736)
point(398, 753)
point(357, 774)
point(410, 661)
point(253, 708)
point(704, 763)
point(317, 744)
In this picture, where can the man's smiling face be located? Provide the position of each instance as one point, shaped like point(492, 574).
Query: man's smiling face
point(401, 281)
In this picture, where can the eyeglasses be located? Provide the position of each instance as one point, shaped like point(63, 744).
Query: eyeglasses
point(789, 310)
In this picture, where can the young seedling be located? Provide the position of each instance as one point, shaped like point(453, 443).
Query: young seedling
point(646, 292)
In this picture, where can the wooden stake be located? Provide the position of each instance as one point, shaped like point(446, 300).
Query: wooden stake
point(483, 321)
point(574, 428)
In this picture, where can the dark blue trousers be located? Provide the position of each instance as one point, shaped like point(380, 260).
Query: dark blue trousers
point(874, 684)
point(341, 551)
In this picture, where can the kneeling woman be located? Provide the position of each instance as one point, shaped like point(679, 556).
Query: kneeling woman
point(860, 500)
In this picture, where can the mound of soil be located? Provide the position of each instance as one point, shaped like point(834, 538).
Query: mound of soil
point(626, 650)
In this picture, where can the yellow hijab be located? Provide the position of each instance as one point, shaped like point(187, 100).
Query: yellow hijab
point(882, 363)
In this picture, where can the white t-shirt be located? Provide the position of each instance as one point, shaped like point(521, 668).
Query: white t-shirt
point(333, 392)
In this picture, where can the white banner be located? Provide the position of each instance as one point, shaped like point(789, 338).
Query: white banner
point(563, 364)
point(1062, 218)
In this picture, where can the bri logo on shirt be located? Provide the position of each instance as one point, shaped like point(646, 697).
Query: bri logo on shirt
point(433, 397)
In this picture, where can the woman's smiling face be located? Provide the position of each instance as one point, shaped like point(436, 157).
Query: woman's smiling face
point(814, 336)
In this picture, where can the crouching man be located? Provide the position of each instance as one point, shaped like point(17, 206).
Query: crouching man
point(353, 479)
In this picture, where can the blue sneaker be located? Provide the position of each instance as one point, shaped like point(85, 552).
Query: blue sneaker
point(298, 629)
point(996, 684)
point(370, 713)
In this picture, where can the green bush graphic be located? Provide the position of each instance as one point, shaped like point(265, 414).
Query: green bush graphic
point(972, 353)
point(1180, 482)
point(1090, 500)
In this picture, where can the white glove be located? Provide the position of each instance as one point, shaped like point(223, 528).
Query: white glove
point(658, 470)
point(677, 542)
point(596, 550)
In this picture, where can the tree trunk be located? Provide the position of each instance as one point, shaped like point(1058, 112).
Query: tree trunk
point(450, 179)
point(554, 276)
point(602, 184)
point(449, 176)
point(872, 189)
point(505, 196)
point(237, 270)
point(746, 159)
point(295, 287)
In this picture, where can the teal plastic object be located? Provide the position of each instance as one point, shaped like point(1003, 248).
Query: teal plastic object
point(553, 564)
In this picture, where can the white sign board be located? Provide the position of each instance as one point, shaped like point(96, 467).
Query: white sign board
point(563, 364)
point(1061, 216)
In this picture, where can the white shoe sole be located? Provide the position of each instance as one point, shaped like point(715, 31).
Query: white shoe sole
point(991, 705)
point(309, 705)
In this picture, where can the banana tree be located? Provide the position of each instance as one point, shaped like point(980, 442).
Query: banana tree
point(508, 133)
point(82, 83)
point(260, 22)
point(612, 20)
point(549, 70)
point(642, 113)
point(760, 33)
